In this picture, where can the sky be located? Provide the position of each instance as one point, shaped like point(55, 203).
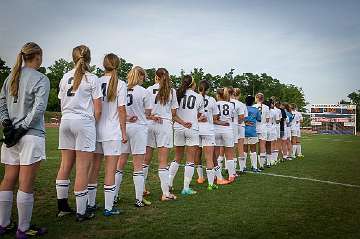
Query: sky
point(312, 44)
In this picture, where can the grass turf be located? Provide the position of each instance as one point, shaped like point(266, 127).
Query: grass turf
point(256, 206)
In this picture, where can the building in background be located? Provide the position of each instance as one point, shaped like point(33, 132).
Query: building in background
point(333, 119)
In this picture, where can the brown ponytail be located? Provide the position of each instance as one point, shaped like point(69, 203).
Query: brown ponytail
point(203, 87)
point(27, 53)
point(111, 63)
point(186, 83)
point(162, 76)
point(223, 94)
point(81, 57)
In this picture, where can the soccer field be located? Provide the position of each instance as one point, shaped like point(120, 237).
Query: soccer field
point(255, 206)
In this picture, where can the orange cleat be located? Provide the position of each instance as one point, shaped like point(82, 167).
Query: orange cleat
point(232, 179)
point(222, 182)
point(200, 180)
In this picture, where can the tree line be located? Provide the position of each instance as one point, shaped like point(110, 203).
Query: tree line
point(249, 83)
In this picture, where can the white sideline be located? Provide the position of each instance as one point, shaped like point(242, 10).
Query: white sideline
point(310, 179)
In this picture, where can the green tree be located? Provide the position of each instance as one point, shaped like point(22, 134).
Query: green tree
point(4, 72)
point(355, 99)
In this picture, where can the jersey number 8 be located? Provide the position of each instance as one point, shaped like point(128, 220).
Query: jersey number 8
point(225, 109)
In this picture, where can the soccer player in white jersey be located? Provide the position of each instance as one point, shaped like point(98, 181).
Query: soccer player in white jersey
point(207, 137)
point(295, 132)
point(111, 134)
point(80, 95)
point(271, 135)
point(191, 109)
point(137, 108)
point(224, 134)
point(261, 129)
point(23, 100)
point(238, 127)
point(277, 145)
point(160, 131)
point(287, 136)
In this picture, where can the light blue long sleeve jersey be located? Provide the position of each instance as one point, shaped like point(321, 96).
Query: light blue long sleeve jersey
point(250, 121)
point(28, 108)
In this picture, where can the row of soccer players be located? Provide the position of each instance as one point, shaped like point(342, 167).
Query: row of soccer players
point(105, 117)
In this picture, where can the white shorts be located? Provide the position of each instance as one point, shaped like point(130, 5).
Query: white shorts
point(207, 140)
point(287, 133)
point(296, 132)
point(251, 140)
point(137, 139)
point(278, 136)
point(109, 148)
point(160, 135)
point(262, 135)
point(29, 150)
point(271, 134)
point(186, 137)
point(225, 139)
point(241, 132)
point(77, 135)
point(235, 134)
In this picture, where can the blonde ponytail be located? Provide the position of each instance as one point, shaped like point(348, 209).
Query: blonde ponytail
point(134, 76)
point(81, 57)
point(111, 63)
point(27, 53)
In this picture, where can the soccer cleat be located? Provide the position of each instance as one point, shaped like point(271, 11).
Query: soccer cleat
point(116, 200)
point(222, 182)
point(301, 156)
point(146, 193)
point(212, 187)
point(188, 191)
point(9, 228)
point(92, 208)
point(168, 198)
point(200, 180)
point(261, 168)
point(33, 231)
point(245, 169)
point(146, 202)
point(114, 211)
point(171, 189)
point(64, 208)
point(83, 217)
point(139, 203)
point(232, 178)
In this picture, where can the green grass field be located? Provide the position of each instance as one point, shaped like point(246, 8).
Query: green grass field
point(256, 206)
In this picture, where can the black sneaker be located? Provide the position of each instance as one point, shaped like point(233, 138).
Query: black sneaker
point(33, 231)
point(139, 203)
point(92, 208)
point(9, 228)
point(64, 208)
point(84, 217)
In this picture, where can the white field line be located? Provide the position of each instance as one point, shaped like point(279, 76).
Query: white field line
point(310, 179)
point(279, 175)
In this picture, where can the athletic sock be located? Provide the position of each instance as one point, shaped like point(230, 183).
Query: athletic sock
point(109, 194)
point(253, 158)
point(231, 167)
point(188, 174)
point(164, 180)
point(174, 166)
point(242, 163)
point(210, 173)
point(92, 190)
point(6, 200)
point(220, 160)
point(293, 153)
point(118, 179)
point(138, 178)
point(200, 171)
point(299, 149)
point(275, 155)
point(146, 172)
point(218, 174)
point(62, 188)
point(25, 203)
point(262, 159)
point(81, 201)
point(235, 164)
point(268, 159)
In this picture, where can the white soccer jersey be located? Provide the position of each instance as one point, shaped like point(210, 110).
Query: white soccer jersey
point(295, 123)
point(138, 101)
point(210, 109)
point(108, 127)
point(190, 106)
point(265, 114)
point(278, 116)
point(238, 110)
point(243, 106)
point(273, 117)
point(226, 112)
point(78, 104)
point(163, 111)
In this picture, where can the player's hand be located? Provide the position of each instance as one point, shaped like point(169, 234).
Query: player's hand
point(133, 119)
point(124, 139)
point(226, 124)
point(157, 119)
point(187, 125)
point(202, 119)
